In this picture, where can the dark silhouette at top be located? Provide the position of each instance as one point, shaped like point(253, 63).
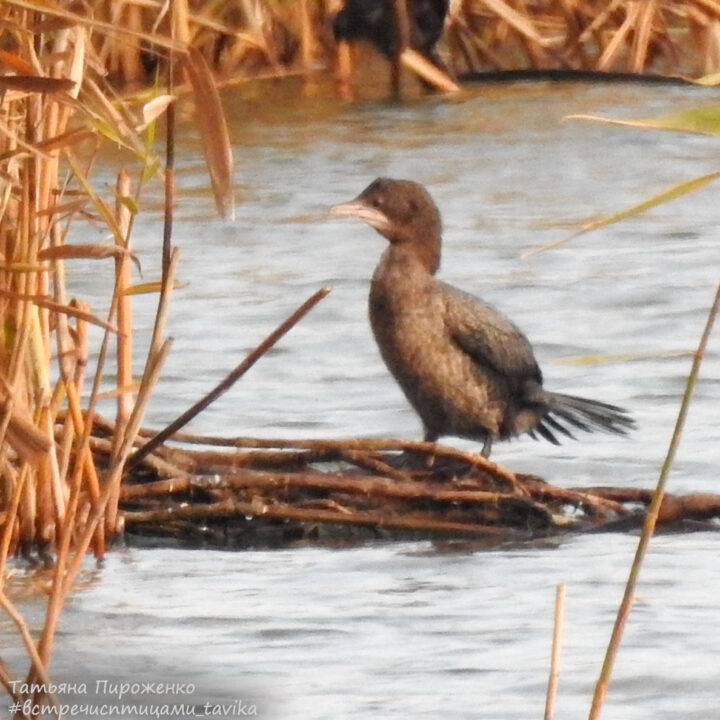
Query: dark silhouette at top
point(466, 369)
point(374, 20)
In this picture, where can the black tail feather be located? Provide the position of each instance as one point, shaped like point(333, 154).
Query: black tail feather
point(555, 425)
point(587, 415)
point(544, 432)
point(571, 418)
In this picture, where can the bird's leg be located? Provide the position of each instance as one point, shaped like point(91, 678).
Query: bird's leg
point(487, 446)
point(432, 437)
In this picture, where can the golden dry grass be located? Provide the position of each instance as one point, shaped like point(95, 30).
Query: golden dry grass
point(259, 37)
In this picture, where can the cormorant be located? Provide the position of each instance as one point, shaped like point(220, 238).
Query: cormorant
point(466, 369)
point(374, 20)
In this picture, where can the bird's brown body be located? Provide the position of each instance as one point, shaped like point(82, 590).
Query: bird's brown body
point(466, 369)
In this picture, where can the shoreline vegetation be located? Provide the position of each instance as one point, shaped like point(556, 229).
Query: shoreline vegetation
point(249, 39)
point(75, 79)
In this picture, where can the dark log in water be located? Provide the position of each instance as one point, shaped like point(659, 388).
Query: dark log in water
point(562, 75)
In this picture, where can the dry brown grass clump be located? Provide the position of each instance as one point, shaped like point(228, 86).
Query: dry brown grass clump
point(622, 35)
point(251, 38)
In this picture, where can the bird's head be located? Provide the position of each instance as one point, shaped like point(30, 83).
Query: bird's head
point(400, 210)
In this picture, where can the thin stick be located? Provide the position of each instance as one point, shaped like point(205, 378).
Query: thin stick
point(650, 519)
point(368, 444)
point(169, 175)
point(556, 651)
point(230, 380)
point(364, 485)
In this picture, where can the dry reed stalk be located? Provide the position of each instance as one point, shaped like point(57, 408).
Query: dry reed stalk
point(41, 302)
point(124, 337)
point(368, 485)
point(168, 210)
point(14, 483)
point(363, 444)
point(258, 16)
point(643, 35)
point(213, 130)
point(574, 51)
point(180, 20)
point(159, 465)
point(402, 41)
point(620, 37)
point(19, 429)
point(211, 462)
point(556, 652)
point(517, 20)
point(371, 461)
point(363, 485)
point(343, 71)
point(711, 43)
point(461, 42)
point(424, 69)
point(88, 475)
point(308, 44)
point(592, 503)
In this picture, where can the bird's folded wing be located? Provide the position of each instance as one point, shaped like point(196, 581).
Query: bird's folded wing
point(488, 336)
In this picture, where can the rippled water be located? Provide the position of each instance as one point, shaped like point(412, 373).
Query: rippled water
point(399, 630)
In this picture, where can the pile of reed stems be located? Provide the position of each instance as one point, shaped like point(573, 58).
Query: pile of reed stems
point(243, 492)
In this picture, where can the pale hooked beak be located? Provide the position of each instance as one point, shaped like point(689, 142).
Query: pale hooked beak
point(357, 208)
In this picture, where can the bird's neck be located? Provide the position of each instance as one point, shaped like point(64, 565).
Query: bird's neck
point(418, 254)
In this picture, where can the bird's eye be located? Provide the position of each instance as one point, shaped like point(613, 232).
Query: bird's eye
point(413, 206)
point(377, 202)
